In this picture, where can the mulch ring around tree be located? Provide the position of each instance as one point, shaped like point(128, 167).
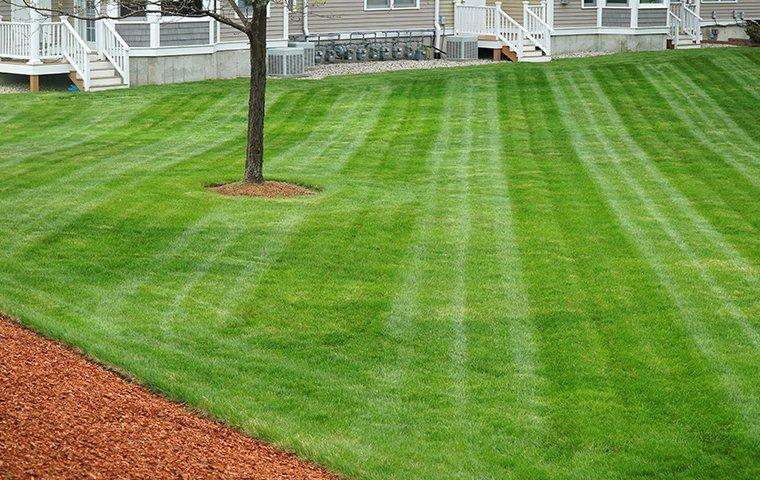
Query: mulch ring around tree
point(270, 189)
point(63, 416)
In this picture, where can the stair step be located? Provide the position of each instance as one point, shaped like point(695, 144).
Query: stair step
point(536, 59)
point(105, 82)
point(102, 88)
point(100, 65)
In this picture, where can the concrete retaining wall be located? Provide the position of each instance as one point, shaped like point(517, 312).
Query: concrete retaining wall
point(564, 44)
point(189, 68)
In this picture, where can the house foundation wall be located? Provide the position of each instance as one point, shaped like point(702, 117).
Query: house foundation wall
point(567, 44)
point(724, 32)
point(189, 68)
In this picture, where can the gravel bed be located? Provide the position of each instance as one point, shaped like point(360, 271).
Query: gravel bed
point(355, 68)
point(20, 83)
point(582, 54)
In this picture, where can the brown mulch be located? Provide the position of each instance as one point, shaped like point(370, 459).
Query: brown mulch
point(62, 416)
point(266, 189)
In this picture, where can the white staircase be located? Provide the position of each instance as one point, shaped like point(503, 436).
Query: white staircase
point(103, 76)
point(106, 68)
point(684, 25)
point(496, 30)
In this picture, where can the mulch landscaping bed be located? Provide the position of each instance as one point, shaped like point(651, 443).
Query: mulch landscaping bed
point(266, 189)
point(62, 416)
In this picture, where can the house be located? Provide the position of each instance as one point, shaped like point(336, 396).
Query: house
point(151, 48)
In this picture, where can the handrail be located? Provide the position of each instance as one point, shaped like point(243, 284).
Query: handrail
point(538, 29)
point(513, 34)
point(14, 40)
point(76, 51)
point(674, 28)
point(691, 23)
point(115, 49)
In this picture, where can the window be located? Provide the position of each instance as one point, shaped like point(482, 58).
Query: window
point(132, 8)
point(246, 6)
point(181, 8)
point(378, 4)
point(617, 3)
point(589, 3)
point(390, 4)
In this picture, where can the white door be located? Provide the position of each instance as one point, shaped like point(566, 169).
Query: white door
point(86, 28)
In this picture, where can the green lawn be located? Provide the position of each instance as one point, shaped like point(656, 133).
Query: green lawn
point(512, 271)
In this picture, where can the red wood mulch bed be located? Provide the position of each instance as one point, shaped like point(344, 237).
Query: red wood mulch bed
point(62, 416)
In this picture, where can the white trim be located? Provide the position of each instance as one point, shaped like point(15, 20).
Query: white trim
point(590, 7)
point(718, 2)
point(198, 49)
point(609, 31)
point(653, 6)
point(392, 7)
point(18, 68)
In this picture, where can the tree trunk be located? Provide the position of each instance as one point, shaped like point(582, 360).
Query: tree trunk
point(257, 36)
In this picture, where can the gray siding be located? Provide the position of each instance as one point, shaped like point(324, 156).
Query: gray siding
point(723, 10)
point(184, 34)
point(135, 34)
point(653, 17)
point(345, 16)
point(573, 16)
point(616, 17)
point(5, 11)
point(274, 25)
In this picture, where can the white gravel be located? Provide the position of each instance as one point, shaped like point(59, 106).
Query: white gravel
point(20, 83)
point(355, 68)
point(582, 54)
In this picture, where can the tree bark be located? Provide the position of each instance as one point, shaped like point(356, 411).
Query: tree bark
point(257, 37)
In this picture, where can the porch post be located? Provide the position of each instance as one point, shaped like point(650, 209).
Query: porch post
point(153, 14)
point(634, 13)
point(36, 19)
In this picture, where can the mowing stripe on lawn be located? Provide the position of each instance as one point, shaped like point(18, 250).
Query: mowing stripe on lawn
point(706, 107)
point(720, 194)
point(722, 148)
point(81, 204)
point(658, 213)
point(743, 400)
point(676, 198)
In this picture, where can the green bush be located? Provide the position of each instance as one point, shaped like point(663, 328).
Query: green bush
point(753, 30)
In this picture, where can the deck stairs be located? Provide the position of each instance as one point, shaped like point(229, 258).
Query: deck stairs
point(684, 22)
point(529, 41)
point(103, 76)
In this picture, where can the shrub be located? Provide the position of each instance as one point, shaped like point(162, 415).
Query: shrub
point(753, 31)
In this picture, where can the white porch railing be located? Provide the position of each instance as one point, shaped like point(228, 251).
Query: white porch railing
point(76, 51)
point(674, 26)
point(15, 40)
point(535, 22)
point(115, 49)
point(493, 21)
point(50, 40)
point(512, 33)
point(692, 22)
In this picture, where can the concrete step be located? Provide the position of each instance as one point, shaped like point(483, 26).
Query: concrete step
point(536, 59)
point(114, 87)
point(533, 53)
point(105, 82)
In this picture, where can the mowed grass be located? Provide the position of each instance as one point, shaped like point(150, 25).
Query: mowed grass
point(511, 271)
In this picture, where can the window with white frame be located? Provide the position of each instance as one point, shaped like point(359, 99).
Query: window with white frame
point(246, 6)
point(617, 3)
point(588, 3)
point(390, 4)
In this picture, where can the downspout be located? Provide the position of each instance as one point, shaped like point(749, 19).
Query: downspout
point(437, 24)
point(305, 17)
